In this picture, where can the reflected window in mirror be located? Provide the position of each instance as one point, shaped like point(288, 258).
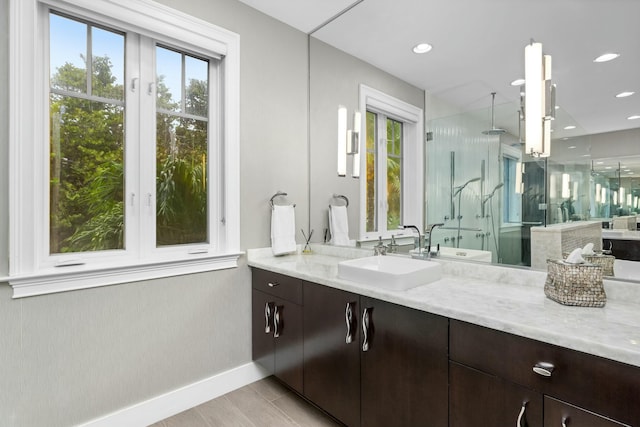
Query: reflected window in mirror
point(391, 192)
point(512, 191)
point(384, 172)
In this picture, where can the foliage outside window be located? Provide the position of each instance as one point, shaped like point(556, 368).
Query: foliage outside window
point(124, 157)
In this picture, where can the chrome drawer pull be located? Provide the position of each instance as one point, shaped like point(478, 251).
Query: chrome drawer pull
point(273, 284)
point(520, 416)
point(366, 319)
point(268, 317)
point(564, 421)
point(543, 368)
point(277, 321)
point(348, 318)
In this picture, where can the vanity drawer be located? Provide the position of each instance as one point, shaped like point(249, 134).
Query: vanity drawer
point(279, 285)
point(600, 385)
point(558, 413)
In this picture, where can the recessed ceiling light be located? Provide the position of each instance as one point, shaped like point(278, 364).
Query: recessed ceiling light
point(422, 48)
point(606, 57)
point(517, 82)
point(633, 117)
point(569, 127)
point(609, 167)
point(586, 155)
point(627, 170)
point(571, 147)
point(599, 163)
point(624, 94)
point(557, 107)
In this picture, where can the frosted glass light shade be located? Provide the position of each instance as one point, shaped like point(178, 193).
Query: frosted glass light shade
point(342, 141)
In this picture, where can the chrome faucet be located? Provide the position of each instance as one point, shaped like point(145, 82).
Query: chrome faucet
point(417, 240)
point(380, 248)
point(428, 242)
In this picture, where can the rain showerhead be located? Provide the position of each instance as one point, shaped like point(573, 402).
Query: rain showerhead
point(493, 130)
point(460, 188)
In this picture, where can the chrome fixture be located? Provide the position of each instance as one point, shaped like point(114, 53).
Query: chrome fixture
point(458, 192)
point(493, 130)
point(380, 248)
point(428, 242)
point(348, 141)
point(539, 101)
point(417, 240)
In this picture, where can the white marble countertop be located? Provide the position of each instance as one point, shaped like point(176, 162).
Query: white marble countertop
point(505, 299)
point(614, 234)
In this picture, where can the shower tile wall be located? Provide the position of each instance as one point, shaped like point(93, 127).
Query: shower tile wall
point(462, 135)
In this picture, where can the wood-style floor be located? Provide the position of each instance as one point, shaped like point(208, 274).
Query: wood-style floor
point(265, 403)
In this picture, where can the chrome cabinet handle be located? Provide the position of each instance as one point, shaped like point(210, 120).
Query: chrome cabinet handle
point(521, 415)
point(349, 320)
point(268, 317)
point(273, 284)
point(564, 421)
point(277, 321)
point(544, 368)
point(366, 319)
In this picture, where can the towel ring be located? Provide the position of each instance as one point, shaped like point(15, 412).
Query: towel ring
point(278, 194)
point(340, 196)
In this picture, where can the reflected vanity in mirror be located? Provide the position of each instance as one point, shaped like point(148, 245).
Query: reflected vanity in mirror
point(501, 193)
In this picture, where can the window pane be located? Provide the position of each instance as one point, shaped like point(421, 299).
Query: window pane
point(169, 79)
point(67, 53)
point(86, 175)
point(371, 220)
point(196, 78)
point(107, 79)
point(394, 174)
point(181, 209)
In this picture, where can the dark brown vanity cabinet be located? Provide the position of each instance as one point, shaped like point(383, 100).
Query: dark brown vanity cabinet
point(332, 351)
point(504, 371)
point(277, 326)
point(373, 363)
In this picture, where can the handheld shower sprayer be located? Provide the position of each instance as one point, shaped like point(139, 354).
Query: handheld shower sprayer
point(461, 187)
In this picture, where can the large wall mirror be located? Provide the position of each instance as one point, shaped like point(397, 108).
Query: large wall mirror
point(479, 182)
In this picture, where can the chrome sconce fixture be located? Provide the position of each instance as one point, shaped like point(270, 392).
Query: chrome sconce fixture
point(348, 142)
point(539, 101)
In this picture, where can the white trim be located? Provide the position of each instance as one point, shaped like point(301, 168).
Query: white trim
point(79, 277)
point(164, 406)
point(30, 265)
point(413, 158)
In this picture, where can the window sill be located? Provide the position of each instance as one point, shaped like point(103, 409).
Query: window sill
point(53, 281)
point(513, 226)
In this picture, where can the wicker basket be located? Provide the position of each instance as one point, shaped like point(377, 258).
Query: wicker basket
point(575, 284)
point(606, 261)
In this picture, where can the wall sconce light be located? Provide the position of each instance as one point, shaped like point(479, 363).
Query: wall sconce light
point(598, 193)
point(348, 142)
point(539, 100)
point(622, 198)
point(603, 196)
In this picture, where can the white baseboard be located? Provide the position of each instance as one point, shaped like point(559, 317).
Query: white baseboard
point(176, 401)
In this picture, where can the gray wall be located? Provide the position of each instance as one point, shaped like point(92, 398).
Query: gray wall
point(335, 78)
point(71, 357)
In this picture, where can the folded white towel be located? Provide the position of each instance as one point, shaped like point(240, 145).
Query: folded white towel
point(283, 229)
point(575, 257)
point(588, 249)
point(339, 225)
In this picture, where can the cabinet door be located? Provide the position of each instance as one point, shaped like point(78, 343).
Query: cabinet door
point(562, 414)
point(287, 325)
point(277, 337)
point(404, 368)
point(476, 398)
point(331, 351)
point(263, 345)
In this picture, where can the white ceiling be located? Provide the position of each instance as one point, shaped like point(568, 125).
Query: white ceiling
point(478, 48)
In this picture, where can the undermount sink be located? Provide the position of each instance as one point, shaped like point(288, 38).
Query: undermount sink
point(391, 272)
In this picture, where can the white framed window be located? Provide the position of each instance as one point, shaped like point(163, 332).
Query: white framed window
point(124, 157)
point(391, 187)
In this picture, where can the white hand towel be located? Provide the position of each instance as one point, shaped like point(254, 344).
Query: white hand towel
point(575, 257)
point(339, 225)
point(588, 249)
point(283, 229)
